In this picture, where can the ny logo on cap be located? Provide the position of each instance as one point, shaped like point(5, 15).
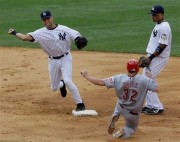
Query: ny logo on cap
point(44, 13)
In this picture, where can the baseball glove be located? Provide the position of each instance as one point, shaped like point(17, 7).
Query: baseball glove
point(81, 42)
point(144, 62)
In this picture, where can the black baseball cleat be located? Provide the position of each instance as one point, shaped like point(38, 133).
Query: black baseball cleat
point(63, 90)
point(145, 109)
point(80, 107)
point(154, 111)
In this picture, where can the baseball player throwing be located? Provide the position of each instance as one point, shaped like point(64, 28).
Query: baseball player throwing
point(55, 40)
point(131, 91)
point(158, 52)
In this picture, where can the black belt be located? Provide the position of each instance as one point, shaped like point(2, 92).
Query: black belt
point(58, 57)
point(133, 113)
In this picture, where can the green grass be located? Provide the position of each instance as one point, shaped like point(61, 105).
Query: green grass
point(112, 26)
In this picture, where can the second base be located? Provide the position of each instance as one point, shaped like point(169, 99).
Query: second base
point(84, 113)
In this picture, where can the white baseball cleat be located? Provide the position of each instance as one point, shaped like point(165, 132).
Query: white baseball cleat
point(112, 122)
point(118, 133)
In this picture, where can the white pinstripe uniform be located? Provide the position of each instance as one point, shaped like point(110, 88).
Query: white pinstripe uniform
point(57, 42)
point(161, 34)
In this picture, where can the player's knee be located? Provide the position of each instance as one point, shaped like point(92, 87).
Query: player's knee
point(128, 132)
point(68, 83)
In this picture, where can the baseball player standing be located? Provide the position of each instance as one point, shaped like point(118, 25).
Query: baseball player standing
point(55, 40)
point(131, 91)
point(158, 52)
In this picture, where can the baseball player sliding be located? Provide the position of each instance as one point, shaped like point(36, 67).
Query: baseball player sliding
point(158, 52)
point(131, 91)
point(55, 40)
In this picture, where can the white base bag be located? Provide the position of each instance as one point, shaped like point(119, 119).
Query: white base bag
point(84, 113)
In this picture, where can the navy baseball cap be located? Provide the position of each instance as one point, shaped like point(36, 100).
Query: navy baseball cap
point(45, 14)
point(157, 9)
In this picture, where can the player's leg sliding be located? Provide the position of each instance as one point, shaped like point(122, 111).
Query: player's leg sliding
point(124, 133)
point(119, 133)
point(112, 122)
point(127, 132)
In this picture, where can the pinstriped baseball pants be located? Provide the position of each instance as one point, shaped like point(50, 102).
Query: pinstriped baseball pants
point(155, 68)
point(62, 69)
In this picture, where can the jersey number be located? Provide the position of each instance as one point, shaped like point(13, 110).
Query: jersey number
point(130, 95)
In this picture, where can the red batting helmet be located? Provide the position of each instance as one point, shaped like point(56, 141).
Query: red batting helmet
point(132, 65)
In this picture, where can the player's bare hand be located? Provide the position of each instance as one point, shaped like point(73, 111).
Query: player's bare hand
point(84, 73)
point(11, 31)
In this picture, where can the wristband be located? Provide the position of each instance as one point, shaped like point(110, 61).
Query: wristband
point(14, 32)
point(159, 50)
point(152, 56)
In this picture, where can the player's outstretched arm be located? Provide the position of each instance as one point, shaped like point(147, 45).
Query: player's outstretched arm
point(21, 36)
point(96, 81)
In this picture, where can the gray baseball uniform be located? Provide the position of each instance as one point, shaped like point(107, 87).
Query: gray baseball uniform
point(131, 92)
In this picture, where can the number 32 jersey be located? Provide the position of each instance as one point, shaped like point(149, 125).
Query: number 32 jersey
point(131, 91)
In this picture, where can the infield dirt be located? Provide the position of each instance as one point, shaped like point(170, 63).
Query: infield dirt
point(30, 112)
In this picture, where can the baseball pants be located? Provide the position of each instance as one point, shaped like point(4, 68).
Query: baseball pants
point(131, 120)
point(156, 66)
point(62, 69)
